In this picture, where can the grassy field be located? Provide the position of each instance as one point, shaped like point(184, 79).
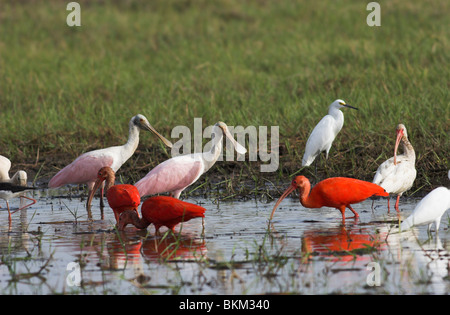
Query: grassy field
point(66, 90)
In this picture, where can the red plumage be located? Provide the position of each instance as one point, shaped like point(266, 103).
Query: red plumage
point(168, 211)
point(336, 192)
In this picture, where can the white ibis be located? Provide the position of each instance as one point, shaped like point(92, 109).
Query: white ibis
point(177, 173)
point(85, 168)
point(324, 133)
point(397, 174)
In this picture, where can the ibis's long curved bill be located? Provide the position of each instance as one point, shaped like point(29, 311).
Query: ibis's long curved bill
point(163, 139)
point(284, 195)
point(397, 142)
point(97, 184)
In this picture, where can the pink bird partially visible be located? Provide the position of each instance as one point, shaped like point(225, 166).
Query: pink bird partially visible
point(85, 168)
point(177, 173)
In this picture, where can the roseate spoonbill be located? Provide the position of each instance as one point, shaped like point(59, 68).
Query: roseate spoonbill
point(9, 191)
point(397, 174)
point(324, 132)
point(429, 210)
point(336, 192)
point(85, 168)
point(120, 197)
point(177, 173)
point(161, 211)
point(19, 178)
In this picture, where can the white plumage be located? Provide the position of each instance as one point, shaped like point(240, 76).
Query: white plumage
point(397, 174)
point(429, 210)
point(19, 178)
point(324, 133)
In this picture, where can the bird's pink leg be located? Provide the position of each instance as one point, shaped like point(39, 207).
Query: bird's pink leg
point(33, 201)
point(389, 208)
point(342, 209)
point(354, 212)
point(396, 203)
point(9, 212)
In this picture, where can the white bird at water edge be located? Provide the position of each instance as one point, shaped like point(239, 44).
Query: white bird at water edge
point(397, 174)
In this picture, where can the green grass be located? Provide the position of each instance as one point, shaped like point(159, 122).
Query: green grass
point(66, 90)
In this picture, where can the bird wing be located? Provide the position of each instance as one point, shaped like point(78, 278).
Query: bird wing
point(123, 195)
point(319, 140)
point(398, 178)
point(165, 209)
point(171, 175)
point(83, 170)
point(338, 191)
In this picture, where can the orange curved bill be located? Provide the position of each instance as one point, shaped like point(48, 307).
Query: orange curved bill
point(97, 184)
point(284, 195)
point(397, 142)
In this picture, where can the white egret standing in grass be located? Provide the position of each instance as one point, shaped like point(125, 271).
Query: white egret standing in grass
point(324, 133)
point(397, 174)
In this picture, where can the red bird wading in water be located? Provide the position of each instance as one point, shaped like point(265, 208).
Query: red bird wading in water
point(161, 211)
point(336, 192)
point(120, 197)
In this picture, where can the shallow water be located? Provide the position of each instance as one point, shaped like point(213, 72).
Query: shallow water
point(51, 247)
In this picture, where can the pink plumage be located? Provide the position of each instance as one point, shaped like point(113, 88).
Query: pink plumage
point(81, 171)
point(173, 176)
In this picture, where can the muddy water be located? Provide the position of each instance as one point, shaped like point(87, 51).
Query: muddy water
point(51, 247)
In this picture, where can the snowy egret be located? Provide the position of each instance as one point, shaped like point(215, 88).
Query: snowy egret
point(325, 132)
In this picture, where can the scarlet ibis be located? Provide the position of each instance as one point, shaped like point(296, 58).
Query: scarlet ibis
point(429, 210)
point(161, 211)
point(19, 178)
point(336, 192)
point(179, 172)
point(120, 197)
point(325, 132)
point(397, 174)
point(85, 168)
point(9, 191)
